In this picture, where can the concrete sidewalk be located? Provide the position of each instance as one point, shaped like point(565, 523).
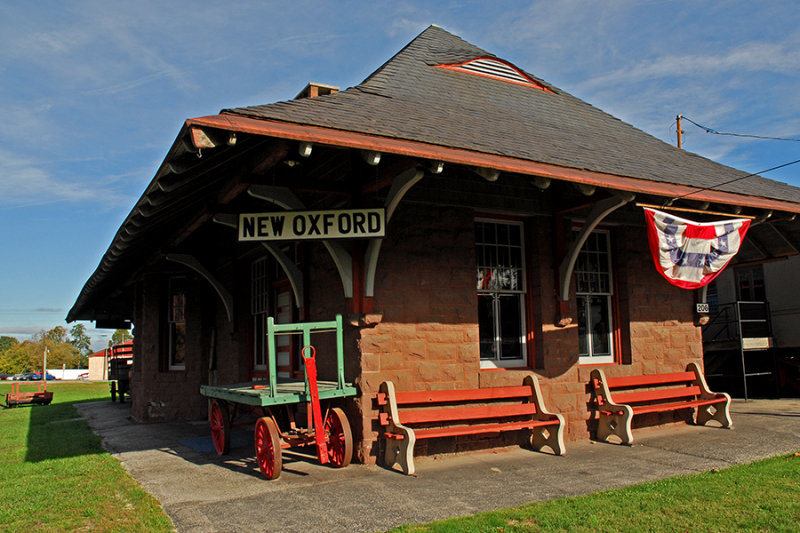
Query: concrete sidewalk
point(203, 492)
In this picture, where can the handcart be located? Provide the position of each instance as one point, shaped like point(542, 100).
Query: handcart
point(331, 434)
point(40, 397)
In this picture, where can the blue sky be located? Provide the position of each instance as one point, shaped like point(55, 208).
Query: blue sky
point(92, 94)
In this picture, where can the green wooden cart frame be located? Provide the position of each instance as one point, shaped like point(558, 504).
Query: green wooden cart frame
point(331, 434)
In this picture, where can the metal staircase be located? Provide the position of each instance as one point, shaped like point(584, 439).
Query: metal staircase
point(738, 346)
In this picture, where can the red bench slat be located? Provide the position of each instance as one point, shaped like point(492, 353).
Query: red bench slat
point(422, 416)
point(655, 379)
point(655, 395)
point(643, 409)
point(432, 433)
point(464, 395)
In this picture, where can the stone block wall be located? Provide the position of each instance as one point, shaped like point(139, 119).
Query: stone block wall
point(158, 393)
point(428, 338)
point(425, 336)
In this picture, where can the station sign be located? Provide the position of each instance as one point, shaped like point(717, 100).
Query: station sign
point(310, 225)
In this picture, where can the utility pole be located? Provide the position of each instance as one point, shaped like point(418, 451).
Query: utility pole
point(679, 130)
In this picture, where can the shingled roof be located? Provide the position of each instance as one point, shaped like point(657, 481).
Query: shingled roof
point(413, 107)
point(410, 98)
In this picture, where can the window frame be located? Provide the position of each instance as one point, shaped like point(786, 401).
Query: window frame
point(521, 295)
point(172, 324)
point(610, 304)
point(259, 311)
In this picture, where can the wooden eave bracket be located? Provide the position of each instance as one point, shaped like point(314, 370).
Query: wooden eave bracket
point(192, 262)
point(294, 274)
point(400, 186)
point(285, 198)
point(599, 211)
point(788, 240)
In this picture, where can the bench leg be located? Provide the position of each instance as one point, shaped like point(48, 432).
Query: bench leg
point(722, 414)
point(401, 451)
point(618, 424)
point(552, 436)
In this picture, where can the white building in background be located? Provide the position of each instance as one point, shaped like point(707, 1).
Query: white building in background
point(67, 373)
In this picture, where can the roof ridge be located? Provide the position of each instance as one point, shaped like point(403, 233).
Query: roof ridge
point(434, 32)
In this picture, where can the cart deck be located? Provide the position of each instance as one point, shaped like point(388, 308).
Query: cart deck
point(286, 392)
point(330, 433)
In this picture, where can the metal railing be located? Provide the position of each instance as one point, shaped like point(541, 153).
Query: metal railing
point(738, 320)
point(749, 326)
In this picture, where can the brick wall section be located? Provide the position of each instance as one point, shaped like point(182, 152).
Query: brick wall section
point(428, 340)
point(428, 336)
point(160, 394)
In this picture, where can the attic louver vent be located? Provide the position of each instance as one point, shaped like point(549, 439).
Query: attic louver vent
point(498, 69)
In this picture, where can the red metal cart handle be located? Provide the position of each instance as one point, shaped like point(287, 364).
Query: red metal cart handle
point(316, 411)
point(313, 352)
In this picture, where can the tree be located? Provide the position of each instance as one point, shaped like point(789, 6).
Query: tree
point(120, 336)
point(80, 339)
point(7, 342)
point(28, 356)
point(55, 335)
point(15, 359)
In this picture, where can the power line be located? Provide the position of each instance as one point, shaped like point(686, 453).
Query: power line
point(733, 180)
point(715, 132)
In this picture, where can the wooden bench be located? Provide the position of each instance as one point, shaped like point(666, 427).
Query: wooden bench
point(619, 399)
point(453, 413)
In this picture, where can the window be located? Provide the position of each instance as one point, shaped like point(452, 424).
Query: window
point(177, 324)
point(501, 291)
point(593, 287)
point(750, 284)
point(259, 308)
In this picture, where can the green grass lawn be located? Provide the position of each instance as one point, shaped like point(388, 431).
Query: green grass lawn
point(55, 475)
point(762, 496)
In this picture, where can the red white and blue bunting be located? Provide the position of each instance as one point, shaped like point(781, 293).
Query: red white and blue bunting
point(691, 254)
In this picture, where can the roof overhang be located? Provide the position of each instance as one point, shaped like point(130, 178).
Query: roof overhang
point(363, 141)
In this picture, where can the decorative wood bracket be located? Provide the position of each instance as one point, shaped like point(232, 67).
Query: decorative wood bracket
point(400, 186)
point(285, 198)
point(600, 210)
point(192, 262)
point(292, 272)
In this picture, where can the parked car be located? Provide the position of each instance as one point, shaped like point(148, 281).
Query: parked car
point(4, 376)
point(30, 376)
point(17, 377)
point(37, 376)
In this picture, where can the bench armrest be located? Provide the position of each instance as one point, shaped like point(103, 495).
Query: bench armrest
point(537, 399)
point(602, 394)
point(700, 381)
point(397, 450)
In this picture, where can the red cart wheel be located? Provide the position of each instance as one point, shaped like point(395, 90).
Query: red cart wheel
point(220, 420)
point(268, 448)
point(339, 437)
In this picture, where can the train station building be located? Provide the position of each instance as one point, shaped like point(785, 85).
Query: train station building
point(471, 222)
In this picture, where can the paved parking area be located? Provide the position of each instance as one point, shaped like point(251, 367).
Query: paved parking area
point(203, 492)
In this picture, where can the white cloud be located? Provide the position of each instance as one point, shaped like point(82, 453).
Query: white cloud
point(747, 58)
point(23, 183)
